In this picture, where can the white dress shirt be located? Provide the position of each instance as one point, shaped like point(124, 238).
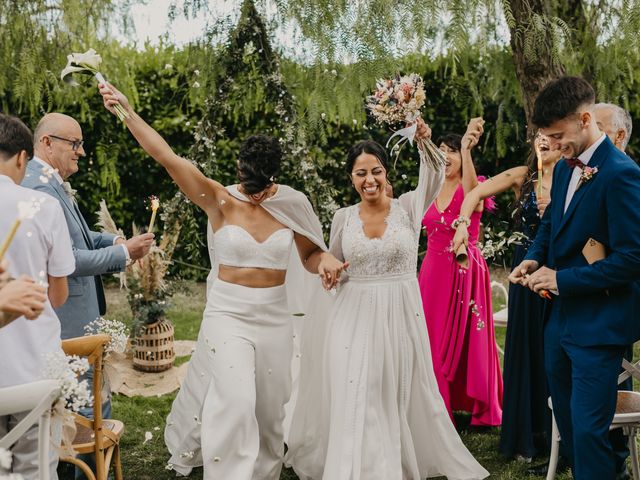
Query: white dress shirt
point(584, 157)
point(41, 247)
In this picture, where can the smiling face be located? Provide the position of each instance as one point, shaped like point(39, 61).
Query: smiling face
point(56, 134)
point(453, 161)
point(549, 157)
point(369, 177)
point(571, 135)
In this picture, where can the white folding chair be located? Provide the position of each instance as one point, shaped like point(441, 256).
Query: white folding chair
point(501, 316)
point(627, 417)
point(37, 398)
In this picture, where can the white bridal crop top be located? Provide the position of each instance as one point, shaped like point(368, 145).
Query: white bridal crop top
point(235, 247)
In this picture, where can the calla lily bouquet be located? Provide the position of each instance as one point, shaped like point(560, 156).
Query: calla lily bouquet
point(87, 63)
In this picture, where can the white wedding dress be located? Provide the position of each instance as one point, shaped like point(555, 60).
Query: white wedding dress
point(368, 405)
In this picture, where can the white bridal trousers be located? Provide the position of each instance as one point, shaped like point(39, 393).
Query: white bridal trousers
point(229, 412)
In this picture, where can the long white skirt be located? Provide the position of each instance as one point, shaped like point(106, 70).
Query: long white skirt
point(229, 412)
point(368, 407)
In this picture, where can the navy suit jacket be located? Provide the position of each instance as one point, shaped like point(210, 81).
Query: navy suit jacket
point(95, 255)
point(600, 302)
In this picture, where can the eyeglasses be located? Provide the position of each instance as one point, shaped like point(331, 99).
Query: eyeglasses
point(75, 144)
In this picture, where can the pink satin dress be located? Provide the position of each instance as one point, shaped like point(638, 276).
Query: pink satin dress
point(459, 316)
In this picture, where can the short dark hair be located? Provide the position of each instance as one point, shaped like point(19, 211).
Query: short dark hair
point(561, 98)
point(451, 140)
point(15, 137)
point(370, 147)
point(258, 162)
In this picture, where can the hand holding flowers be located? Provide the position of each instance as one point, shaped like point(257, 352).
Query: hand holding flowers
point(88, 63)
point(399, 100)
point(423, 130)
point(112, 97)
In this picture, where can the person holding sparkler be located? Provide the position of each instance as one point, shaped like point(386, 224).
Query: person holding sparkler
point(526, 419)
point(58, 148)
point(587, 249)
point(58, 151)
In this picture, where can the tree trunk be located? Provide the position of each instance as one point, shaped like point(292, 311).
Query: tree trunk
point(533, 71)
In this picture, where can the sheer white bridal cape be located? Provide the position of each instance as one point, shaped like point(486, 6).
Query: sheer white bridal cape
point(368, 405)
point(183, 433)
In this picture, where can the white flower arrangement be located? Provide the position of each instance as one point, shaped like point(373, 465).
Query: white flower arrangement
point(117, 331)
point(66, 370)
point(495, 245)
point(88, 63)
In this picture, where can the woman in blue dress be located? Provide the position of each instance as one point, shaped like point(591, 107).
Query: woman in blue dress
point(526, 419)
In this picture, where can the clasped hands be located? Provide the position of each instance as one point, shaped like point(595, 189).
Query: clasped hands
point(330, 269)
point(529, 274)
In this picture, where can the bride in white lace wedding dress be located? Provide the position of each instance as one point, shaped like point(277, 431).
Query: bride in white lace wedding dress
point(369, 406)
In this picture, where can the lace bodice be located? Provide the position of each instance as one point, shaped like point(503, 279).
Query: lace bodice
point(396, 252)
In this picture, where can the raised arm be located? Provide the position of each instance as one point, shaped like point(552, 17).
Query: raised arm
point(512, 178)
point(469, 140)
point(416, 202)
point(201, 190)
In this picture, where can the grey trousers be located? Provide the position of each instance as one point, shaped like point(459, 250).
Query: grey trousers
point(25, 450)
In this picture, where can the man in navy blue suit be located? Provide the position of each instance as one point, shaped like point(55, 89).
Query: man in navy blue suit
point(595, 309)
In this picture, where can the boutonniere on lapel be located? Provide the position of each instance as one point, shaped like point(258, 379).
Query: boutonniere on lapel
point(71, 192)
point(587, 174)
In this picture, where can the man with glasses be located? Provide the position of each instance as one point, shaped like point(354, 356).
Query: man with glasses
point(58, 148)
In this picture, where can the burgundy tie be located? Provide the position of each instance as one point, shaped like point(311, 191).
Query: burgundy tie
point(574, 162)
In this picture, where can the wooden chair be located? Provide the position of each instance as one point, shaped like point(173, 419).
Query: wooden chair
point(98, 436)
point(37, 398)
point(627, 417)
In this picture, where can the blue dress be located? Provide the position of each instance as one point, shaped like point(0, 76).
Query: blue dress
point(526, 418)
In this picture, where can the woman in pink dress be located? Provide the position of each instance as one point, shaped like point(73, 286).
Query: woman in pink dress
point(457, 300)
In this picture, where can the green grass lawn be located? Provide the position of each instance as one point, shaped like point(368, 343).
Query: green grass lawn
point(146, 461)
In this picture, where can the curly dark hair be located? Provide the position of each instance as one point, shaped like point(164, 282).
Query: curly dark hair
point(258, 162)
point(370, 147)
point(15, 137)
point(561, 98)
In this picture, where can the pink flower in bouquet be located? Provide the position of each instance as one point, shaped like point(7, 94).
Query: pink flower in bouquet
point(398, 101)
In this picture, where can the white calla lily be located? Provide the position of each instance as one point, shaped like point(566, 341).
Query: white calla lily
point(87, 63)
point(89, 59)
point(67, 74)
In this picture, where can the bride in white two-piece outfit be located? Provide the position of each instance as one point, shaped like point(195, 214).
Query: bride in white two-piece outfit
point(229, 413)
point(368, 405)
